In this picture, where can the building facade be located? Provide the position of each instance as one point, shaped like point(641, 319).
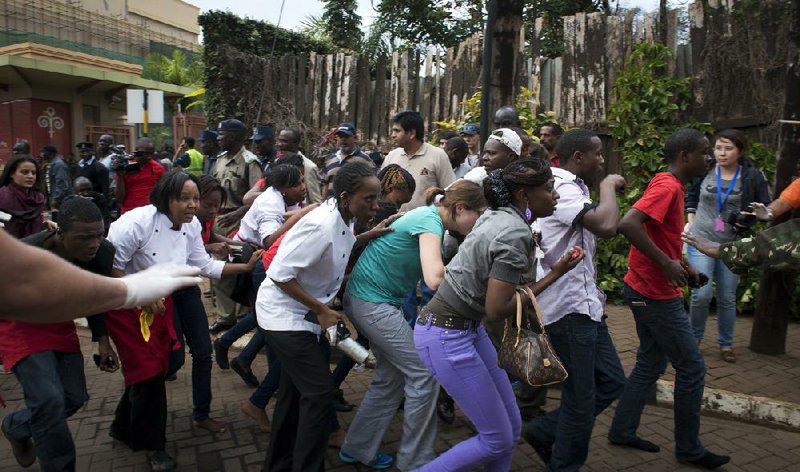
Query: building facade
point(65, 66)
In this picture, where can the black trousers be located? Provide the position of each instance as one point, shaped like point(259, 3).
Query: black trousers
point(141, 416)
point(301, 422)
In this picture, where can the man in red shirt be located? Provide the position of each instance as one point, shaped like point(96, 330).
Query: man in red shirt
point(137, 179)
point(653, 289)
point(46, 358)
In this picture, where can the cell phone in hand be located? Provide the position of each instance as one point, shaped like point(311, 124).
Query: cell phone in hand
point(108, 362)
point(703, 279)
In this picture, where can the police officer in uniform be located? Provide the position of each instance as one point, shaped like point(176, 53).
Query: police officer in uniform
point(91, 168)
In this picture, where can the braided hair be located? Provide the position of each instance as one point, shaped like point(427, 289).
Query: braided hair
point(501, 183)
point(394, 177)
point(349, 179)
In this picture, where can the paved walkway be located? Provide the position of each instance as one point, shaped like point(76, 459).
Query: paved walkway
point(753, 448)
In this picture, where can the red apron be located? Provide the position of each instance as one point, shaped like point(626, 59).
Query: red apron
point(142, 360)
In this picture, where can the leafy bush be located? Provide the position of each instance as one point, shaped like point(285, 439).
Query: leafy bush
point(648, 107)
point(525, 103)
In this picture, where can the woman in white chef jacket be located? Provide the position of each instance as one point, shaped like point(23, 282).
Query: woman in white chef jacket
point(292, 310)
point(166, 231)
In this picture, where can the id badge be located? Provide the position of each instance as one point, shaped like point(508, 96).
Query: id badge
point(719, 225)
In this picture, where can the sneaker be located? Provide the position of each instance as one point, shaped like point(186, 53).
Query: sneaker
point(160, 460)
point(244, 372)
point(727, 355)
point(221, 355)
point(381, 461)
point(23, 450)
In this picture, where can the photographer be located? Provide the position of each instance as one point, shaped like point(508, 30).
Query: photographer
point(136, 178)
point(714, 206)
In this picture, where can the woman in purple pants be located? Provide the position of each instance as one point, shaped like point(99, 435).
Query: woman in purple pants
point(481, 281)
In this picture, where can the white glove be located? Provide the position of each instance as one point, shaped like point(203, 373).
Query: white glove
point(157, 282)
point(3, 218)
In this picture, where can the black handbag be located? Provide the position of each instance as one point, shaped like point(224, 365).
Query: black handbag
point(526, 354)
point(239, 287)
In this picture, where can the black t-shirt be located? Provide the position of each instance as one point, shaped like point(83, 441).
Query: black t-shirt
point(101, 264)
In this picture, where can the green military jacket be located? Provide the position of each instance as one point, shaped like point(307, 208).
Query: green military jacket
point(777, 248)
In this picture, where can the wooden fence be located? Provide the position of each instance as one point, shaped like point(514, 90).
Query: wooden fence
point(323, 90)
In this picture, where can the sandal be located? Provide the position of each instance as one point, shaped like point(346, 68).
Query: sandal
point(727, 355)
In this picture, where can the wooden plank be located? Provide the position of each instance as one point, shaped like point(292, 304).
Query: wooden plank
point(596, 75)
point(378, 100)
point(351, 112)
point(301, 98)
point(313, 89)
point(404, 82)
point(447, 111)
point(427, 109)
point(394, 90)
point(436, 93)
point(361, 118)
point(329, 84)
point(319, 80)
point(568, 85)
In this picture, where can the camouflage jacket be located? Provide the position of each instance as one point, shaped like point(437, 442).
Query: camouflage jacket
point(777, 248)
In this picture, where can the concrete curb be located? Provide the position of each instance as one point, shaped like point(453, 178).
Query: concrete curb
point(738, 406)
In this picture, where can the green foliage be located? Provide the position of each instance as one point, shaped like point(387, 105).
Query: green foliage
point(232, 74)
point(343, 25)
point(648, 107)
point(420, 23)
point(551, 36)
point(525, 103)
point(177, 69)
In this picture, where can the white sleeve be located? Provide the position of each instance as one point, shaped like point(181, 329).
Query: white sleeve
point(300, 249)
point(571, 202)
point(126, 234)
point(269, 217)
point(197, 256)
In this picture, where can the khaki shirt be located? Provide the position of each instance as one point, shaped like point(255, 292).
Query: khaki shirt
point(430, 167)
point(313, 179)
point(237, 174)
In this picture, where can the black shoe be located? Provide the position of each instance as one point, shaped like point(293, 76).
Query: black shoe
point(638, 443)
point(244, 372)
point(221, 355)
point(339, 403)
point(23, 450)
point(445, 410)
point(123, 438)
point(544, 451)
point(160, 461)
point(218, 327)
point(709, 460)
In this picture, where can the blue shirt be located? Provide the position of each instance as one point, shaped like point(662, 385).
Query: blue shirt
point(390, 266)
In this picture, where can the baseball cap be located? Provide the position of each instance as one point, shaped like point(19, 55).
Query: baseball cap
point(262, 132)
point(471, 128)
point(347, 129)
point(231, 125)
point(207, 135)
point(508, 137)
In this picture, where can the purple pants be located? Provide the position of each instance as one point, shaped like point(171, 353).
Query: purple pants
point(465, 364)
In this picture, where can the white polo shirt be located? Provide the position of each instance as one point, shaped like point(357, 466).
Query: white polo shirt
point(429, 166)
point(144, 237)
point(264, 217)
point(315, 252)
point(577, 290)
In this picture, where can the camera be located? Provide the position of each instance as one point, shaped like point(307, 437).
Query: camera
point(122, 160)
point(742, 220)
point(339, 336)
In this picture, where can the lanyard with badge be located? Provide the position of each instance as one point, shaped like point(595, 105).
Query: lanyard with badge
point(719, 223)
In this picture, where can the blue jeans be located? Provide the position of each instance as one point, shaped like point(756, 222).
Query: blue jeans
point(664, 334)
point(55, 388)
point(269, 384)
point(191, 327)
point(727, 282)
point(243, 326)
point(411, 303)
point(596, 379)
point(465, 364)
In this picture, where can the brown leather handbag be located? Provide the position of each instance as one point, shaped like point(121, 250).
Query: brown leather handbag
point(526, 354)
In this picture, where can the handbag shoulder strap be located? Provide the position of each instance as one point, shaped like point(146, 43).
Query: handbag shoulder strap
point(535, 307)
